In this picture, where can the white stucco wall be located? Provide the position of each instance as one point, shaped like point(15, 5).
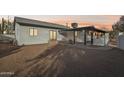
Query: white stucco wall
point(59, 36)
point(23, 36)
point(121, 42)
point(79, 38)
point(102, 41)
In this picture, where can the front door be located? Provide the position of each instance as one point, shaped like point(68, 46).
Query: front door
point(53, 35)
point(53, 38)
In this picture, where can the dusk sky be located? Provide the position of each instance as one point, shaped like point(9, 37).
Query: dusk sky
point(100, 21)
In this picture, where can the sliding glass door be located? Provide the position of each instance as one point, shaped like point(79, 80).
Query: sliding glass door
point(53, 35)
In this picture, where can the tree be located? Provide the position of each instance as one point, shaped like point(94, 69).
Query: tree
point(6, 26)
point(3, 25)
point(112, 35)
point(119, 26)
point(10, 26)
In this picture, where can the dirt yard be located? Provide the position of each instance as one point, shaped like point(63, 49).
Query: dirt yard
point(63, 60)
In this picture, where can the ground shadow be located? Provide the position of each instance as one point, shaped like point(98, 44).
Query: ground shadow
point(9, 51)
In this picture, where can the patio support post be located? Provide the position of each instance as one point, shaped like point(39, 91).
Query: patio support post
point(74, 36)
point(104, 39)
point(85, 38)
point(91, 38)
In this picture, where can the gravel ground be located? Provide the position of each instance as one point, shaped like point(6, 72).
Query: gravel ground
point(63, 61)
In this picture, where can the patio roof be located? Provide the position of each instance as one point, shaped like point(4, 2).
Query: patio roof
point(87, 28)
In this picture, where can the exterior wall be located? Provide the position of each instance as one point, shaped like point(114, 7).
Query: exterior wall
point(101, 41)
point(23, 36)
point(80, 37)
point(59, 36)
point(121, 42)
point(17, 33)
point(106, 38)
point(69, 36)
point(117, 36)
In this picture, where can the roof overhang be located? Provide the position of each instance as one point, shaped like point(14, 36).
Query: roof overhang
point(35, 25)
point(87, 28)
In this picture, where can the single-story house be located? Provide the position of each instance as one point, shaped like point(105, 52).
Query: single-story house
point(28, 32)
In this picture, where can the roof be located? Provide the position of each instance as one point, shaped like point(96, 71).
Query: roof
point(36, 23)
point(31, 22)
point(87, 28)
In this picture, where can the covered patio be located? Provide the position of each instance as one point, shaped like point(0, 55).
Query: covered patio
point(86, 30)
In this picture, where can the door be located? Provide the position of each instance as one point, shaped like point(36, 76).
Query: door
point(53, 35)
point(53, 38)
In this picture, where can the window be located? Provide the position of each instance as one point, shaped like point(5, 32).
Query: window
point(33, 32)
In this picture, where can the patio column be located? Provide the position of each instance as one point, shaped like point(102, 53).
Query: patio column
point(85, 38)
point(74, 36)
point(91, 38)
point(104, 39)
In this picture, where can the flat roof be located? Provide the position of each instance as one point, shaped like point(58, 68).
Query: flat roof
point(87, 28)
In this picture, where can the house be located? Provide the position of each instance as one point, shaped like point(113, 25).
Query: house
point(28, 32)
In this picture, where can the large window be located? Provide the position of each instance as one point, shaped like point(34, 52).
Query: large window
point(33, 32)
